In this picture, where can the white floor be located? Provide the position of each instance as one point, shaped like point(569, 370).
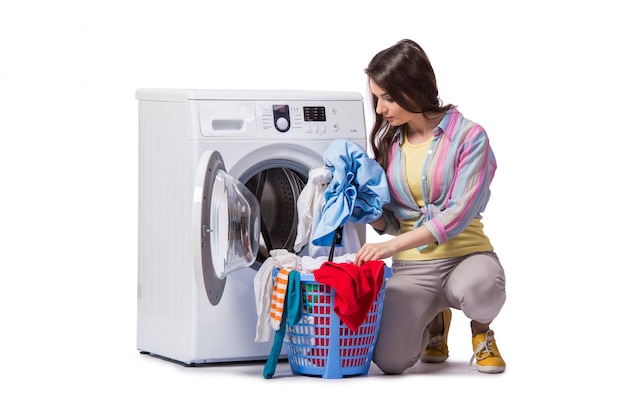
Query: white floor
point(452, 388)
point(76, 357)
point(123, 382)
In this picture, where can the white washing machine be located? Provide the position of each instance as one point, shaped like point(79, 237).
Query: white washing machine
point(220, 172)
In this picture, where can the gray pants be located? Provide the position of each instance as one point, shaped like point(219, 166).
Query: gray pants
point(419, 290)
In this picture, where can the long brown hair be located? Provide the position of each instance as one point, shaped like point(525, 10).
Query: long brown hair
point(404, 72)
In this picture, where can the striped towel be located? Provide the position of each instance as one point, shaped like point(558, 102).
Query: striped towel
point(278, 298)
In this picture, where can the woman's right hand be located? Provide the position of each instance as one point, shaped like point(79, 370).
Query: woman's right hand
point(373, 251)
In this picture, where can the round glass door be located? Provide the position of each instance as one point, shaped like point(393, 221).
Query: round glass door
point(230, 225)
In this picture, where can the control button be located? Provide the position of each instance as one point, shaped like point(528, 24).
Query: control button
point(282, 124)
point(322, 128)
point(281, 117)
point(334, 127)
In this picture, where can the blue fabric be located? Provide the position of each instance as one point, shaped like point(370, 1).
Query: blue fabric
point(357, 192)
point(292, 314)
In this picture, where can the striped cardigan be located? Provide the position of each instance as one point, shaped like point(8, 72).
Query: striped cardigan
point(456, 176)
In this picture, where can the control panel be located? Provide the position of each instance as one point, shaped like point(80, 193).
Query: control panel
point(330, 120)
point(278, 119)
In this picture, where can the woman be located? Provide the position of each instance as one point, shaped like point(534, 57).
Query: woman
point(439, 167)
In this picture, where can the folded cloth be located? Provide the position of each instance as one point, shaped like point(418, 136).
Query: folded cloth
point(356, 288)
point(357, 192)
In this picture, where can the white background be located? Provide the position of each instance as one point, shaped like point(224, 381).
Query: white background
point(545, 78)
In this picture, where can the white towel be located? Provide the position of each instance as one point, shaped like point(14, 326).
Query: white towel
point(264, 286)
point(310, 203)
point(310, 264)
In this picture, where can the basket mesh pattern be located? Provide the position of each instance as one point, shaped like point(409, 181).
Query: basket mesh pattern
point(320, 344)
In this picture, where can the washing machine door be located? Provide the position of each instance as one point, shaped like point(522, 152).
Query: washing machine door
point(227, 221)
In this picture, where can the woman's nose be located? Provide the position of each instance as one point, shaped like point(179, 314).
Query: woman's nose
point(379, 108)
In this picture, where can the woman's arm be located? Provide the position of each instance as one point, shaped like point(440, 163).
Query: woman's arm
point(378, 251)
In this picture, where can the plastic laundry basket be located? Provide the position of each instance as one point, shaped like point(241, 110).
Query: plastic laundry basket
point(321, 344)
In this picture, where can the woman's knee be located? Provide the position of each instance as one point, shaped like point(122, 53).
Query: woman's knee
point(392, 364)
point(394, 354)
point(478, 287)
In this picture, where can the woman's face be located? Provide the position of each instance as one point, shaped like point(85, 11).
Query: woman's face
point(393, 113)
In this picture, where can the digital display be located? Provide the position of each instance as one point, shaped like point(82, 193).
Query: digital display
point(314, 114)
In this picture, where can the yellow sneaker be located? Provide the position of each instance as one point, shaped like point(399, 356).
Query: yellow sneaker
point(437, 349)
point(488, 358)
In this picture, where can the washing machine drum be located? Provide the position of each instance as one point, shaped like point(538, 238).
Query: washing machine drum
point(277, 190)
point(241, 223)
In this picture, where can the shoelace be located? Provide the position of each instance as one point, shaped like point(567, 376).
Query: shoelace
point(484, 349)
point(435, 342)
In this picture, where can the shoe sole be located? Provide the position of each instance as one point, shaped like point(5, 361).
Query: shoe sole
point(433, 359)
point(490, 369)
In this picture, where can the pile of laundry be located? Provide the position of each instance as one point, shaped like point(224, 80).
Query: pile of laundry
point(350, 189)
point(279, 301)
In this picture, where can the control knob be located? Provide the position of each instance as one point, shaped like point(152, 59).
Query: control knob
point(282, 124)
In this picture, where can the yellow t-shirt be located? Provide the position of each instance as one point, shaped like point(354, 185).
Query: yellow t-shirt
point(469, 241)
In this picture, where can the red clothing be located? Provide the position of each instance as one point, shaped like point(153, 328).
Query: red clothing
point(356, 288)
